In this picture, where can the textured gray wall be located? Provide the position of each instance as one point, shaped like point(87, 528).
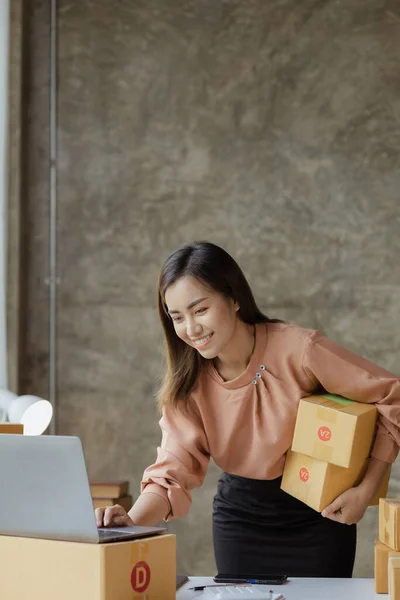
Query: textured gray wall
point(14, 193)
point(271, 128)
point(35, 158)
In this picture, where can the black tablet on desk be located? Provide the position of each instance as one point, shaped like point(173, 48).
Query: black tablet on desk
point(181, 580)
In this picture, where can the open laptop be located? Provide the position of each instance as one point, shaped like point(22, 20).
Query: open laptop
point(45, 492)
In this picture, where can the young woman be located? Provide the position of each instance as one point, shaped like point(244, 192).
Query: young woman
point(231, 390)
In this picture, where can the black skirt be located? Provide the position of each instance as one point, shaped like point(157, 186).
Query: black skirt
point(258, 528)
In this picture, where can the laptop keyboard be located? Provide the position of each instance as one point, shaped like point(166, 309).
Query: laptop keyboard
point(127, 533)
point(105, 534)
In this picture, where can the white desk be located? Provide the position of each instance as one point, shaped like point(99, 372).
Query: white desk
point(304, 589)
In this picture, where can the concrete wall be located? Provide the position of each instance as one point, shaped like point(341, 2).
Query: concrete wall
point(271, 128)
point(13, 198)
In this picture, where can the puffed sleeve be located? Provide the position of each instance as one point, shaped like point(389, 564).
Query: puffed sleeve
point(182, 461)
point(342, 372)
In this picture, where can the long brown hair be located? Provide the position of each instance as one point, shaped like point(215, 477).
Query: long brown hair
point(215, 268)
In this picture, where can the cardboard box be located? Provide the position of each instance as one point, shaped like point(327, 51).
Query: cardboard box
point(317, 483)
point(394, 578)
point(334, 429)
point(11, 428)
point(381, 566)
point(109, 489)
point(49, 570)
point(125, 501)
point(389, 522)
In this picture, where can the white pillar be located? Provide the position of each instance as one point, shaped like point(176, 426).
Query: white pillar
point(4, 66)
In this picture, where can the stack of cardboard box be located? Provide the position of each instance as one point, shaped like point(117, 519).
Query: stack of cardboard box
point(332, 442)
point(387, 549)
point(108, 493)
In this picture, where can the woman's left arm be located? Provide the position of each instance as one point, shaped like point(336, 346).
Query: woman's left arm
point(342, 372)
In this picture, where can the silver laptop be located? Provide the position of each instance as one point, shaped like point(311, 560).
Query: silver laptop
point(45, 492)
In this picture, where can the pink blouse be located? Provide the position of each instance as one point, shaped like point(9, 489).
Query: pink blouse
point(246, 425)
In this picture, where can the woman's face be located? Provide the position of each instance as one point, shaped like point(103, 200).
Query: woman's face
point(202, 318)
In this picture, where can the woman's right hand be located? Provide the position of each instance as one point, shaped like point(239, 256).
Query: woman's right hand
point(112, 516)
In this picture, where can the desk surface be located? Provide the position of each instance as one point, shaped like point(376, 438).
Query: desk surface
point(304, 589)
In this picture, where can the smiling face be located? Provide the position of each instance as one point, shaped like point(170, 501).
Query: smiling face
point(202, 317)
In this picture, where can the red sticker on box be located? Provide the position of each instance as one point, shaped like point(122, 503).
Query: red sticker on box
point(304, 474)
point(140, 576)
point(324, 434)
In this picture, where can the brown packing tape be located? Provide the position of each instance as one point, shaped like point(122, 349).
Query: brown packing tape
point(307, 461)
point(326, 414)
point(141, 573)
point(301, 491)
point(394, 578)
point(305, 484)
point(293, 465)
point(386, 518)
point(381, 561)
point(303, 487)
point(330, 404)
point(322, 452)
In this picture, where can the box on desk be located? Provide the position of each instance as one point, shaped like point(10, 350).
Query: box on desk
point(11, 428)
point(382, 553)
point(125, 501)
point(317, 483)
point(47, 569)
point(389, 522)
point(108, 493)
point(109, 489)
point(335, 429)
